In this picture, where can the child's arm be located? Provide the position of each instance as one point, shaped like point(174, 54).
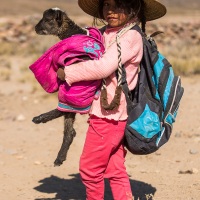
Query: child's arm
point(131, 46)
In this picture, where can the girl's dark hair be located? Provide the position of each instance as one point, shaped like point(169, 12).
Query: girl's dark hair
point(133, 7)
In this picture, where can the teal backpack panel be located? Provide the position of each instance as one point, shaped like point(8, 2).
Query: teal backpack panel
point(153, 105)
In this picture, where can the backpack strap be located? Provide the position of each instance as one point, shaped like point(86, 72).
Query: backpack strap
point(124, 84)
point(149, 46)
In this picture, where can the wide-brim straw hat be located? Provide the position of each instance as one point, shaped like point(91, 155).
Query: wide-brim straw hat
point(153, 9)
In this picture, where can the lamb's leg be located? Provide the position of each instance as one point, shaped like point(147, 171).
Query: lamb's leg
point(45, 117)
point(69, 134)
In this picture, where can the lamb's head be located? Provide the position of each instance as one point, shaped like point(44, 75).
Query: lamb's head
point(56, 22)
point(51, 22)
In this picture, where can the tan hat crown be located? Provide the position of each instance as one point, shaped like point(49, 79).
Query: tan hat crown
point(153, 9)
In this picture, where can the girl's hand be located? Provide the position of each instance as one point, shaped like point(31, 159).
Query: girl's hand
point(61, 74)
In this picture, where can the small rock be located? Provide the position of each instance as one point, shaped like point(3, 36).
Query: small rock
point(177, 135)
point(24, 98)
point(22, 38)
point(20, 157)
point(143, 171)
point(190, 171)
point(195, 171)
point(197, 139)
point(193, 151)
point(11, 152)
point(20, 117)
point(36, 101)
point(37, 163)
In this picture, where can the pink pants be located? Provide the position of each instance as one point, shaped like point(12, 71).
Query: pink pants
point(103, 157)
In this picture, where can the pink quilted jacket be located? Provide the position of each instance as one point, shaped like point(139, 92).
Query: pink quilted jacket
point(79, 96)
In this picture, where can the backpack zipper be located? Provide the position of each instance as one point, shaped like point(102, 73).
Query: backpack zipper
point(175, 92)
point(174, 97)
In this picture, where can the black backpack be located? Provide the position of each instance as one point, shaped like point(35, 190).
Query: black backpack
point(153, 105)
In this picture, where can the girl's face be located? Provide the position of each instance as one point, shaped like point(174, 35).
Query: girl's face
point(115, 16)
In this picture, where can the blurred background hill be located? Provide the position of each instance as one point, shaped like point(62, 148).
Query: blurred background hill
point(181, 26)
point(28, 7)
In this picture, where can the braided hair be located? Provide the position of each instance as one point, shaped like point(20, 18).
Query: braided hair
point(135, 8)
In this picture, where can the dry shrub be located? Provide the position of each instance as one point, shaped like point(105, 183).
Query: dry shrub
point(185, 66)
point(7, 48)
point(5, 70)
point(35, 47)
point(184, 58)
point(182, 53)
point(5, 74)
point(40, 44)
point(28, 77)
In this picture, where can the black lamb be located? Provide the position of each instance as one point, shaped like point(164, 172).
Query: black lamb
point(56, 22)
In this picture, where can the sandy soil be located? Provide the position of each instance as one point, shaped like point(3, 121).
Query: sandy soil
point(28, 151)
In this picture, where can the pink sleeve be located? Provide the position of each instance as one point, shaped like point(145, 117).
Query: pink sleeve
point(131, 44)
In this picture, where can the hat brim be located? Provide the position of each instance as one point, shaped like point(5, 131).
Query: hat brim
point(153, 9)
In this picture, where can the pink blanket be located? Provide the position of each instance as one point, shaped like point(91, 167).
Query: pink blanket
point(79, 96)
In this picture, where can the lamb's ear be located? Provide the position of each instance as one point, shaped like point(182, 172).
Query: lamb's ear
point(59, 17)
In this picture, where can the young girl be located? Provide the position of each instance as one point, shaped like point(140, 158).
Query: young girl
point(103, 155)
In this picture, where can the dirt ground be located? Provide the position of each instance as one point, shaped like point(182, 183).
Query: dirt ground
point(27, 151)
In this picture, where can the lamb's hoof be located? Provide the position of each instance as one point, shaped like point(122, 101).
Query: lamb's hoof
point(39, 119)
point(36, 120)
point(57, 162)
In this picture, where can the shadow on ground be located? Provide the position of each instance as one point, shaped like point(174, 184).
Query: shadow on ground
point(68, 189)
